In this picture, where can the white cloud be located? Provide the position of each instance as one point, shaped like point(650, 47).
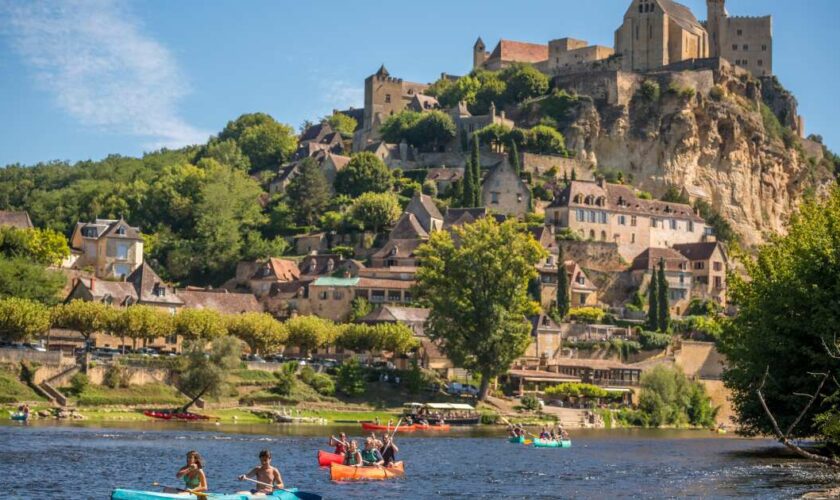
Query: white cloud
point(93, 56)
point(340, 94)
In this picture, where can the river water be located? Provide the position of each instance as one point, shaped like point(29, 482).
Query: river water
point(87, 461)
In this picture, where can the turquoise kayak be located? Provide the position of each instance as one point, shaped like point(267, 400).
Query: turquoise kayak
point(518, 439)
point(289, 494)
point(550, 443)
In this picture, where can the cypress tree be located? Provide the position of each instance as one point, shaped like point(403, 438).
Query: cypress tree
point(574, 175)
point(565, 177)
point(562, 287)
point(664, 309)
point(513, 158)
point(653, 303)
point(456, 194)
point(476, 172)
point(468, 188)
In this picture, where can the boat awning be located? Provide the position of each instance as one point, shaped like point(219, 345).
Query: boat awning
point(449, 406)
point(617, 389)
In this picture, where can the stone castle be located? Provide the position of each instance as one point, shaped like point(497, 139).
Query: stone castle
point(654, 34)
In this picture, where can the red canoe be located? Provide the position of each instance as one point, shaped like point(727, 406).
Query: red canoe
point(165, 415)
point(370, 426)
point(326, 458)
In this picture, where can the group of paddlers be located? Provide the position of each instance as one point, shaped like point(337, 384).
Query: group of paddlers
point(547, 433)
point(265, 475)
point(376, 452)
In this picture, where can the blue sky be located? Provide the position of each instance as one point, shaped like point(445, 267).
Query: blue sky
point(83, 79)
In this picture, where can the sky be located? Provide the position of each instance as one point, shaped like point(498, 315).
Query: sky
point(84, 79)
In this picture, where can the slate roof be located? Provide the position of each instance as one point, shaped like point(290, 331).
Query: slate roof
point(150, 288)
point(388, 313)
point(649, 259)
point(321, 263)
point(399, 249)
point(223, 302)
point(620, 199)
point(408, 227)
point(445, 174)
point(509, 50)
point(697, 251)
point(19, 220)
point(543, 322)
point(458, 216)
point(681, 15)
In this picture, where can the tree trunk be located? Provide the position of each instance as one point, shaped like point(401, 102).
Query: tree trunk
point(483, 388)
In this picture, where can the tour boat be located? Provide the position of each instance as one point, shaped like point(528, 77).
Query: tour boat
point(340, 472)
point(326, 458)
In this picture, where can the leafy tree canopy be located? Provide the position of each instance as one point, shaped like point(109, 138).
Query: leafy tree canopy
point(260, 331)
point(21, 278)
point(308, 192)
point(364, 173)
point(376, 210)
point(44, 246)
point(22, 319)
point(343, 124)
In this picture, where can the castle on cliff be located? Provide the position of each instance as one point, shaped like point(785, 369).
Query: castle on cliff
point(653, 35)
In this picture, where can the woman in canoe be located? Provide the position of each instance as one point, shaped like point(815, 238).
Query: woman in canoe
point(193, 474)
point(340, 443)
point(371, 455)
point(353, 457)
point(388, 451)
point(268, 476)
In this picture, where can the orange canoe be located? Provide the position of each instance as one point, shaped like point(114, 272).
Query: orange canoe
point(421, 427)
point(340, 472)
point(370, 426)
point(326, 458)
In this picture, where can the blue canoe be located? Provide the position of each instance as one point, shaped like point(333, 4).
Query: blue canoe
point(550, 443)
point(21, 417)
point(289, 494)
point(517, 439)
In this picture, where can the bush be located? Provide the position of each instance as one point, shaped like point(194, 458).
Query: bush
point(652, 340)
point(530, 402)
point(489, 418)
point(650, 90)
point(79, 382)
point(116, 376)
point(322, 384)
point(589, 315)
point(682, 92)
point(717, 93)
point(575, 389)
point(351, 378)
point(286, 379)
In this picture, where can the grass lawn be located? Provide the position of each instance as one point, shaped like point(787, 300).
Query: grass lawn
point(13, 390)
point(100, 395)
point(334, 415)
point(253, 377)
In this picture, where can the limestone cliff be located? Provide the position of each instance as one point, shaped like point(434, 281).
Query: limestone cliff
point(703, 128)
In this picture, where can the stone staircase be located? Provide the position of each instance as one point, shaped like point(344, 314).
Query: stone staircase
point(49, 386)
point(572, 418)
point(54, 394)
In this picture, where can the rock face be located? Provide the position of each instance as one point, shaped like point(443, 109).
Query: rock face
point(708, 129)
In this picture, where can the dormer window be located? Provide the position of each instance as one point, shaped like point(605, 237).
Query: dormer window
point(121, 230)
point(330, 265)
point(394, 251)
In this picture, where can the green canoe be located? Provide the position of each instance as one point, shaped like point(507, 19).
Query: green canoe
point(550, 443)
point(518, 439)
point(290, 494)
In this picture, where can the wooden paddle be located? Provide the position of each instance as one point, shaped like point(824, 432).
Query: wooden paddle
point(197, 494)
point(300, 494)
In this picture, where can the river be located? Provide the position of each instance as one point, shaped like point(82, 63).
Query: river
point(81, 460)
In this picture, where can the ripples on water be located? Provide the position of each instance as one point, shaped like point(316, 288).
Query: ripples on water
point(87, 462)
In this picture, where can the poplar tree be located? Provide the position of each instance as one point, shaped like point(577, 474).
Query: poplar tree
point(468, 188)
point(562, 287)
point(653, 303)
point(476, 172)
point(513, 158)
point(664, 310)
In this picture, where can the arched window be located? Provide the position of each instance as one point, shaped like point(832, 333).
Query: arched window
point(603, 236)
point(591, 234)
point(578, 198)
point(589, 200)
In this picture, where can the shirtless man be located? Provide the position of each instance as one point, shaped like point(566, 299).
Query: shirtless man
point(266, 474)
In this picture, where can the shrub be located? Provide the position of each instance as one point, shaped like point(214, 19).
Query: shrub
point(286, 379)
point(717, 93)
point(652, 340)
point(116, 376)
point(590, 315)
point(79, 382)
point(680, 91)
point(351, 378)
point(568, 234)
point(576, 389)
point(489, 418)
point(322, 384)
point(649, 90)
point(530, 402)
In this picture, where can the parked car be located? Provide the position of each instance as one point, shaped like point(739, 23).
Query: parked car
point(458, 389)
point(255, 359)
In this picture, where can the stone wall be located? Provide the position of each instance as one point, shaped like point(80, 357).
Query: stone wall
point(136, 375)
point(596, 255)
point(44, 358)
point(540, 164)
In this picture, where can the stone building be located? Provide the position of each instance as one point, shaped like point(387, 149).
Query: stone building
point(384, 96)
point(503, 192)
point(467, 123)
point(677, 274)
point(709, 264)
point(568, 55)
point(564, 55)
point(113, 248)
point(600, 211)
point(582, 292)
point(656, 33)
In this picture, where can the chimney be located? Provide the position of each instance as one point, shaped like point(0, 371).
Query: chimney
point(502, 114)
point(602, 182)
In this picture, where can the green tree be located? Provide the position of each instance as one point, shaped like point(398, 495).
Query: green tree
point(653, 303)
point(668, 397)
point(395, 337)
point(309, 192)
point(397, 127)
point(495, 135)
point(563, 294)
point(364, 173)
point(468, 187)
point(513, 158)
point(359, 308)
point(260, 331)
point(227, 152)
point(310, 332)
point(376, 210)
point(546, 140)
point(523, 82)
point(343, 124)
point(21, 278)
point(265, 142)
point(350, 378)
point(140, 322)
point(22, 319)
point(433, 130)
point(43, 246)
point(478, 294)
point(358, 337)
point(492, 91)
point(786, 326)
point(207, 370)
point(204, 324)
point(720, 226)
point(472, 177)
point(84, 317)
point(664, 308)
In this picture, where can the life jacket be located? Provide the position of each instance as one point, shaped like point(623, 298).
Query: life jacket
point(371, 455)
point(350, 459)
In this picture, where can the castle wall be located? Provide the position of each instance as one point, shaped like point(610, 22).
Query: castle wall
point(747, 42)
point(540, 164)
point(568, 55)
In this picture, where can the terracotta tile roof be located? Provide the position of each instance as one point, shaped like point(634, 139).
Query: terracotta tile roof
point(647, 260)
point(512, 51)
point(19, 220)
point(223, 302)
point(697, 251)
point(278, 270)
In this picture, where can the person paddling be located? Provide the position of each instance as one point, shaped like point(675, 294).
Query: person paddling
point(193, 474)
point(340, 443)
point(371, 455)
point(268, 476)
point(389, 451)
point(353, 456)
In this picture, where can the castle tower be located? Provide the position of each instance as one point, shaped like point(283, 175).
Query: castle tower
point(715, 17)
point(479, 53)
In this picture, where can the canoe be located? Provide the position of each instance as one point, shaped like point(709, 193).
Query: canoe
point(517, 439)
point(370, 426)
point(120, 494)
point(550, 443)
point(421, 427)
point(326, 458)
point(21, 417)
point(340, 472)
point(166, 415)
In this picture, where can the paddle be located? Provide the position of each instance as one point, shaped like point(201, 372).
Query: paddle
point(197, 494)
point(304, 495)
